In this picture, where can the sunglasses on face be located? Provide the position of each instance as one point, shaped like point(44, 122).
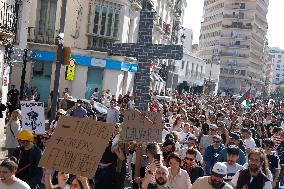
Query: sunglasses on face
point(217, 175)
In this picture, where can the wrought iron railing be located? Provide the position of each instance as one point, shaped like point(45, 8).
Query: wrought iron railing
point(8, 17)
point(46, 37)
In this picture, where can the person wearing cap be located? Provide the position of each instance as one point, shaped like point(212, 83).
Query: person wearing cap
point(222, 157)
point(28, 156)
point(256, 175)
point(233, 167)
point(215, 181)
point(235, 139)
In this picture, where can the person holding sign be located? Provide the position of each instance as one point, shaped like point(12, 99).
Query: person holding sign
point(105, 174)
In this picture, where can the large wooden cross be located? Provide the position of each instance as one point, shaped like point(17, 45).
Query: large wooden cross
point(144, 50)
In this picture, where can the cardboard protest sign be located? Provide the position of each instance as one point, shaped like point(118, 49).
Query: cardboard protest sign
point(33, 116)
point(77, 145)
point(142, 127)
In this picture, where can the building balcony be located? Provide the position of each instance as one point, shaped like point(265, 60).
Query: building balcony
point(235, 46)
point(159, 25)
point(8, 19)
point(237, 16)
point(177, 12)
point(167, 28)
point(238, 26)
point(238, 55)
point(136, 4)
point(44, 37)
point(236, 36)
point(98, 43)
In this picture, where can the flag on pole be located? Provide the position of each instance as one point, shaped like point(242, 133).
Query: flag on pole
point(245, 100)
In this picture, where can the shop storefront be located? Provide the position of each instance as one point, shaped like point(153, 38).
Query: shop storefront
point(91, 73)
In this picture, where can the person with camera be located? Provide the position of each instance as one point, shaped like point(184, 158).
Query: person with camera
point(161, 177)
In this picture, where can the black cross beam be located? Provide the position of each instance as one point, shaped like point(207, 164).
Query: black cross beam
point(144, 50)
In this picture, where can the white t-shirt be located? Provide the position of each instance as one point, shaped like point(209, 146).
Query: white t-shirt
point(18, 184)
point(249, 143)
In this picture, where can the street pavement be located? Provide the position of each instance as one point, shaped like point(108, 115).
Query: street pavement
point(3, 152)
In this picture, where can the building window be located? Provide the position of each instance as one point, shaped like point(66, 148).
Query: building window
point(103, 24)
point(273, 56)
point(279, 56)
point(46, 21)
point(187, 68)
point(104, 20)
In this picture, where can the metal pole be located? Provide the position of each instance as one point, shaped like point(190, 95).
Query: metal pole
point(59, 61)
point(23, 77)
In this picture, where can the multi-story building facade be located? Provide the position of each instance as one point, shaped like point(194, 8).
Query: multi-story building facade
point(278, 64)
point(191, 69)
point(233, 34)
point(89, 25)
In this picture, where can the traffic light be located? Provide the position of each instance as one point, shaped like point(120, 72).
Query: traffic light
point(66, 55)
point(66, 52)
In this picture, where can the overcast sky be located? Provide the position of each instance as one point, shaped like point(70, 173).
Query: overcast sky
point(194, 11)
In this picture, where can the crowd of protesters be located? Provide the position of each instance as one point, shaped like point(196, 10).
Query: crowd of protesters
point(208, 142)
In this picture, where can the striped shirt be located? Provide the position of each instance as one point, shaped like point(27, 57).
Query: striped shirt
point(277, 140)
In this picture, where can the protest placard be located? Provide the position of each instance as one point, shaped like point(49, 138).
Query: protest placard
point(33, 116)
point(77, 145)
point(142, 127)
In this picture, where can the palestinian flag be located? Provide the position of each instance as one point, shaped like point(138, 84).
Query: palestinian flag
point(245, 100)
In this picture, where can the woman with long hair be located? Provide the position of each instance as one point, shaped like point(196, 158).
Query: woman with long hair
point(13, 128)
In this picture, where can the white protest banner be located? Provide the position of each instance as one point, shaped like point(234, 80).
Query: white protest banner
point(77, 146)
point(142, 127)
point(33, 116)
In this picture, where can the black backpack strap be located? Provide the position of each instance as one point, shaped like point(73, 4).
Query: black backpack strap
point(11, 130)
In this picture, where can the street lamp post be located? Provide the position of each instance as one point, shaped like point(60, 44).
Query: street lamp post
point(59, 60)
point(23, 77)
